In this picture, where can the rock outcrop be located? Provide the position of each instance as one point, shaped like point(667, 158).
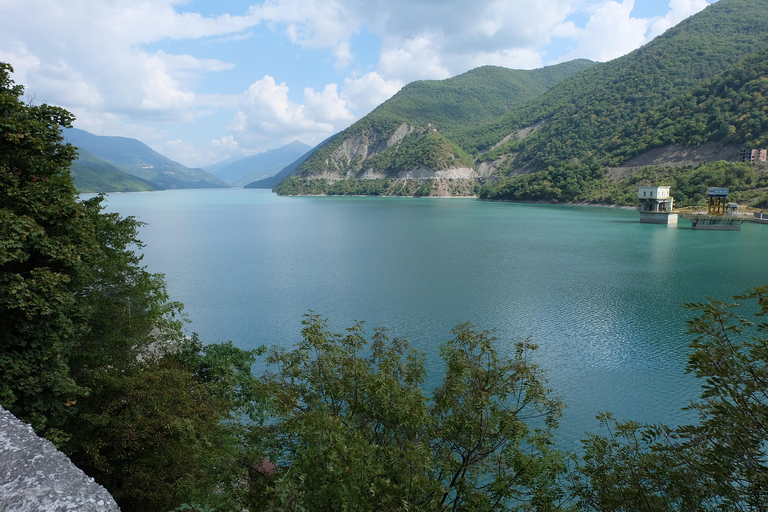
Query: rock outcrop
point(36, 477)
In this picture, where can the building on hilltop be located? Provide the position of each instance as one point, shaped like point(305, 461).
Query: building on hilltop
point(753, 155)
point(656, 205)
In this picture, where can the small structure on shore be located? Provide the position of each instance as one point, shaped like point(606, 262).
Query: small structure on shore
point(721, 215)
point(656, 205)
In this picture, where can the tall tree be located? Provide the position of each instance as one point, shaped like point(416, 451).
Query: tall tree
point(46, 245)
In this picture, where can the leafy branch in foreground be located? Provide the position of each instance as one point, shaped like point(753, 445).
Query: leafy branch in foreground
point(352, 429)
point(721, 463)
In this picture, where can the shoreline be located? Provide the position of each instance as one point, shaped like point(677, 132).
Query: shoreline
point(601, 205)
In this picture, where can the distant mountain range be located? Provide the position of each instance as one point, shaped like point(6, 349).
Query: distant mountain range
point(93, 174)
point(241, 171)
point(696, 93)
point(120, 164)
point(133, 158)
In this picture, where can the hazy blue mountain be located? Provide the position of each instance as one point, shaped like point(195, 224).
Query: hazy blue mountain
point(242, 171)
point(93, 174)
point(272, 181)
point(137, 159)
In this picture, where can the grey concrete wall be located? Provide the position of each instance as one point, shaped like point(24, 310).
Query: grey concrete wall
point(36, 477)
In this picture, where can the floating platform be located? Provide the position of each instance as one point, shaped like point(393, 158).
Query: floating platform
point(658, 217)
point(715, 222)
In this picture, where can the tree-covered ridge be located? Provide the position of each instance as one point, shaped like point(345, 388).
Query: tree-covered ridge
point(594, 114)
point(446, 105)
point(137, 159)
point(748, 184)
point(473, 97)
point(730, 108)
point(93, 174)
point(702, 81)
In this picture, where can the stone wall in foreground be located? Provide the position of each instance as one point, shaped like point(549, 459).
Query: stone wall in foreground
point(36, 477)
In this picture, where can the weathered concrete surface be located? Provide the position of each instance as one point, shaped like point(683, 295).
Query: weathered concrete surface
point(36, 477)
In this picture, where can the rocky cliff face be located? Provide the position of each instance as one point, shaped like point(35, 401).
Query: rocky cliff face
point(35, 476)
point(348, 159)
point(405, 152)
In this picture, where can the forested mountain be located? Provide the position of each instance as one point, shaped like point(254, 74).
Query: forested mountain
point(409, 130)
point(259, 166)
point(94, 174)
point(137, 159)
point(703, 81)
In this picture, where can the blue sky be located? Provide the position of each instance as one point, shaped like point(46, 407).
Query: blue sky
point(203, 80)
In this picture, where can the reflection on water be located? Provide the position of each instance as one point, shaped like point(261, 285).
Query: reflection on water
point(599, 292)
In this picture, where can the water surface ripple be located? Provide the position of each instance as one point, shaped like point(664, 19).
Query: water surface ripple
point(599, 292)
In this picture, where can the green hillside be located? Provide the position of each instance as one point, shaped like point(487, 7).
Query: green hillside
point(93, 174)
point(703, 82)
point(433, 109)
point(137, 159)
point(594, 115)
point(474, 97)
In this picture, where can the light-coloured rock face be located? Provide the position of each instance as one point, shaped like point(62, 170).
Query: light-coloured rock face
point(370, 174)
point(521, 133)
point(402, 131)
point(675, 156)
point(464, 173)
point(485, 169)
point(36, 477)
point(348, 159)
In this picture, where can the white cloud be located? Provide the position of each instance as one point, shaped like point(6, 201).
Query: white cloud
point(610, 32)
point(266, 117)
point(343, 54)
point(415, 59)
point(110, 124)
point(90, 52)
point(369, 91)
point(678, 11)
point(326, 106)
point(311, 23)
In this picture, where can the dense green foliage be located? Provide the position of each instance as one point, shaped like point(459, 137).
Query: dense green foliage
point(473, 97)
point(429, 151)
point(588, 184)
point(353, 430)
point(83, 327)
point(92, 174)
point(46, 248)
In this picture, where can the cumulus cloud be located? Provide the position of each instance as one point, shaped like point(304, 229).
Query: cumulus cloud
point(266, 117)
point(90, 53)
point(678, 11)
point(610, 32)
point(369, 91)
point(414, 59)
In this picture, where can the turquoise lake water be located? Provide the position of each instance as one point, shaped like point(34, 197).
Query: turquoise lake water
point(599, 292)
